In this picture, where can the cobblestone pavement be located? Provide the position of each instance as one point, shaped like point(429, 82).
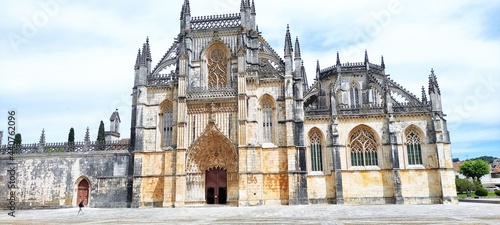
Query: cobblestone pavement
point(463, 213)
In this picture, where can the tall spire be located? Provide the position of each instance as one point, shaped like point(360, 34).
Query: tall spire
point(366, 56)
point(304, 77)
point(433, 84)
point(148, 50)
point(382, 64)
point(253, 8)
point(435, 81)
point(424, 96)
point(87, 135)
point(242, 5)
point(146, 53)
point(42, 137)
point(317, 70)
point(338, 59)
point(297, 48)
point(138, 59)
point(288, 42)
point(186, 9)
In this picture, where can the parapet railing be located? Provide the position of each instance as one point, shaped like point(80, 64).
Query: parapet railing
point(216, 21)
point(213, 92)
point(161, 79)
point(84, 146)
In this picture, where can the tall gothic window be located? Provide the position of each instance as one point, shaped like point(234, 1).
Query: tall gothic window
point(413, 147)
point(354, 96)
point(194, 128)
point(230, 125)
point(217, 68)
point(316, 157)
point(267, 122)
point(168, 122)
point(363, 148)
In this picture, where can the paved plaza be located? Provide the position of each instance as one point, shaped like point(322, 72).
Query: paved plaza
point(463, 213)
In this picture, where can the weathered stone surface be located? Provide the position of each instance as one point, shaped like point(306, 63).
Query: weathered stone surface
point(51, 180)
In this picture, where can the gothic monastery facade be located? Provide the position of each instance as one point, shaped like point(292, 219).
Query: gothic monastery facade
point(222, 118)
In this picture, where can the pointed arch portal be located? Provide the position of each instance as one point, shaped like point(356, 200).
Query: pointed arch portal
point(83, 192)
point(212, 169)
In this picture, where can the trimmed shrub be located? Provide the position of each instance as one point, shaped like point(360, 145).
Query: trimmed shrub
point(481, 192)
point(497, 192)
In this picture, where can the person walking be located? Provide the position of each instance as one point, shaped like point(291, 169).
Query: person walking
point(81, 206)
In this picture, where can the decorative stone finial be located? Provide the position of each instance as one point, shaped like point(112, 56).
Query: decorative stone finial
point(42, 137)
point(138, 59)
point(424, 96)
point(297, 48)
point(288, 42)
point(87, 135)
point(253, 8)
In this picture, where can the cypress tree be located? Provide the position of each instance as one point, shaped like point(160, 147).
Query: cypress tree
point(17, 139)
point(100, 136)
point(71, 139)
point(17, 143)
point(71, 135)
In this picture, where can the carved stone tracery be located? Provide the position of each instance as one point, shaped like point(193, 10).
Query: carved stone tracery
point(212, 149)
point(217, 68)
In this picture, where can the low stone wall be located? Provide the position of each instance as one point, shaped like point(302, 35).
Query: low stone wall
point(51, 180)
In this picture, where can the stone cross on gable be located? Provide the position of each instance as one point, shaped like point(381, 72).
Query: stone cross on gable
point(211, 111)
point(216, 36)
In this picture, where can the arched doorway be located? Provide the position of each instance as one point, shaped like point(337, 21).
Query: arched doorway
point(83, 192)
point(212, 169)
point(216, 186)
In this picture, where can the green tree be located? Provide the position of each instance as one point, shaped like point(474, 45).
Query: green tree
point(71, 139)
point(474, 169)
point(71, 135)
point(464, 186)
point(101, 139)
point(17, 139)
point(487, 159)
point(17, 143)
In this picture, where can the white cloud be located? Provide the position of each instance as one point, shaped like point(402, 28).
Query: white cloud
point(86, 52)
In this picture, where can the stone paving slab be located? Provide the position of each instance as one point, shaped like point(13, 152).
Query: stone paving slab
point(463, 213)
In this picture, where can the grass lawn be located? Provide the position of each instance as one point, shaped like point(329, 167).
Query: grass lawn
point(463, 195)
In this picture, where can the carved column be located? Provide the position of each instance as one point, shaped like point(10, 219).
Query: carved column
point(395, 161)
point(339, 191)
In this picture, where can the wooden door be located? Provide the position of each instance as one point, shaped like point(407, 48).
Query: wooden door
point(83, 192)
point(216, 186)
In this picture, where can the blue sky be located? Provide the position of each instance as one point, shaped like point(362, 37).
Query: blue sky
point(68, 63)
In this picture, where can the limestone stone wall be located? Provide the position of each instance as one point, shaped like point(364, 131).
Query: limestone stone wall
point(368, 187)
point(321, 188)
point(50, 180)
point(421, 186)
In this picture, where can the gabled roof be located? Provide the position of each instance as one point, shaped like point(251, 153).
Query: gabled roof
point(115, 116)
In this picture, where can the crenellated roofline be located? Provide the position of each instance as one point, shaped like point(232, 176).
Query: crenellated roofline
point(216, 21)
